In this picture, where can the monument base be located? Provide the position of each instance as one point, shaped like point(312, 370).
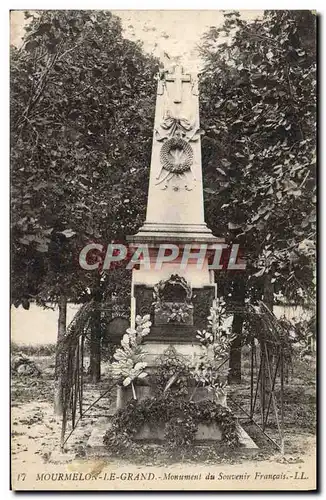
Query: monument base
point(153, 351)
point(155, 232)
point(206, 435)
point(155, 433)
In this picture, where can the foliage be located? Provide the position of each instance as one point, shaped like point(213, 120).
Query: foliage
point(79, 90)
point(33, 350)
point(258, 93)
point(107, 352)
point(174, 281)
point(174, 312)
point(205, 370)
point(180, 419)
point(173, 406)
point(180, 431)
point(216, 343)
point(129, 364)
point(218, 333)
point(302, 332)
point(173, 369)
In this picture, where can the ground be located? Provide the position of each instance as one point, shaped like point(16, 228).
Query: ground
point(36, 431)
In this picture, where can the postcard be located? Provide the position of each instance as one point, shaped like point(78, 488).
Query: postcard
point(163, 250)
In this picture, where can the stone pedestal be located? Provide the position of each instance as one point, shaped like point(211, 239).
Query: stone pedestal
point(205, 432)
point(155, 433)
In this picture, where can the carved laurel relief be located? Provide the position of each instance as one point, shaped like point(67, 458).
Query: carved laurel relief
point(176, 155)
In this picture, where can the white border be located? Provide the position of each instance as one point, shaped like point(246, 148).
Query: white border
point(4, 184)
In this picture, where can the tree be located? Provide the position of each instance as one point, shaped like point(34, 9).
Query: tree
point(258, 110)
point(79, 91)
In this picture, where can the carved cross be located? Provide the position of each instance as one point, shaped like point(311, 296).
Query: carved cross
point(177, 77)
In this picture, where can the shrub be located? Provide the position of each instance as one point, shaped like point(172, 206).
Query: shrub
point(33, 350)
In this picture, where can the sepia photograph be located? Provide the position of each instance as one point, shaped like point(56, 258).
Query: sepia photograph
point(163, 193)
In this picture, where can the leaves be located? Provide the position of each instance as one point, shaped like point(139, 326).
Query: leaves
point(126, 381)
point(129, 365)
point(220, 171)
point(68, 233)
point(79, 90)
point(258, 102)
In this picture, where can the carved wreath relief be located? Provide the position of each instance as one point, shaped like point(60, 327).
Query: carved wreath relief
point(176, 132)
point(176, 155)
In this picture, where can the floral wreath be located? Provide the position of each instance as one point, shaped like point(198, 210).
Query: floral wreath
point(176, 312)
point(175, 279)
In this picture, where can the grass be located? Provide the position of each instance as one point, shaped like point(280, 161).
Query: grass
point(299, 395)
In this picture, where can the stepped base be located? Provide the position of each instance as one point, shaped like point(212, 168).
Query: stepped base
point(156, 233)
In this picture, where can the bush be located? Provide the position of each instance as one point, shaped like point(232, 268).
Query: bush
point(33, 350)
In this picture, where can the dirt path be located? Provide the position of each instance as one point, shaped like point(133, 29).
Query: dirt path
point(38, 463)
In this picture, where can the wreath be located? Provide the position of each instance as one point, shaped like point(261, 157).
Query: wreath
point(176, 155)
point(175, 279)
point(174, 311)
point(179, 418)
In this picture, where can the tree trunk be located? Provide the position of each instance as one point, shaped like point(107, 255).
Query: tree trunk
point(95, 347)
point(235, 352)
point(62, 323)
point(268, 299)
point(269, 292)
point(238, 300)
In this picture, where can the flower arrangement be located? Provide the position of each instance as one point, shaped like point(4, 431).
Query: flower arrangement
point(216, 342)
point(172, 311)
point(129, 364)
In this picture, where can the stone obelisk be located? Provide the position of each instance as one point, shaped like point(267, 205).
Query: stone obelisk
point(175, 208)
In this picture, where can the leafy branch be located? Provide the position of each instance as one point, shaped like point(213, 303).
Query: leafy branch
point(129, 364)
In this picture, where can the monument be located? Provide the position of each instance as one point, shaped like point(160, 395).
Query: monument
point(173, 282)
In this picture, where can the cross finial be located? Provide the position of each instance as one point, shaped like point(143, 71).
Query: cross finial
point(178, 78)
